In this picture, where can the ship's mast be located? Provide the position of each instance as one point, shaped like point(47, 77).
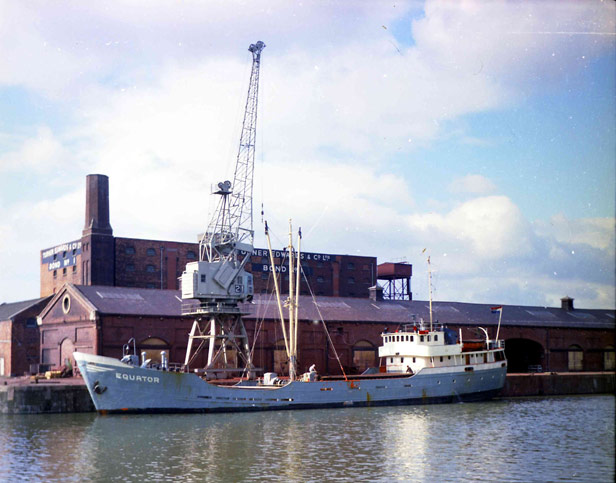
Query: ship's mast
point(217, 283)
point(430, 290)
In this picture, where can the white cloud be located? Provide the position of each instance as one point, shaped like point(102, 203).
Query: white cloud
point(518, 45)
point(595, 232)
point(42, 153)
point(472, 184)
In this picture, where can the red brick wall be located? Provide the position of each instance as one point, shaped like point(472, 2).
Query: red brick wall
point(5, 345)
point(52, 280)
point(20, 341)
point(138, 262)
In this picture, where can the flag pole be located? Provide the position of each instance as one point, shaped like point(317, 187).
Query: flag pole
point(500, 316)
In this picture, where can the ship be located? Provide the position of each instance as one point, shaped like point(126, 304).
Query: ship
point(421, 366)
point(420, 363)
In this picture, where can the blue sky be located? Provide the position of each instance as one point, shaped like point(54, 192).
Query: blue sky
point(480, 131)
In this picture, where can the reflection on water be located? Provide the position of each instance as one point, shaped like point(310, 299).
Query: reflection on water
point(568, 439)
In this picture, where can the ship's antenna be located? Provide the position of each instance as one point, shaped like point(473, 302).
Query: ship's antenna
point(429, 287)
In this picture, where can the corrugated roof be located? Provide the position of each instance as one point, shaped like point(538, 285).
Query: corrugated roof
point(458, 313)
point(132, 301)
point(150, 302)
point(8, 311)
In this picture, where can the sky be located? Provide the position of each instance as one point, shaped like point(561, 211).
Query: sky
point(480, 134)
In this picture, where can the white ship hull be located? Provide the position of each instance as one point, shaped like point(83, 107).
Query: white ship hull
point(119, 387)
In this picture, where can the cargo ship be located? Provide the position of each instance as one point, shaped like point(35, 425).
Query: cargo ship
point(420, 366)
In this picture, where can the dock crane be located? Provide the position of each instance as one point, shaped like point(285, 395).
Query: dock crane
point(215, 285)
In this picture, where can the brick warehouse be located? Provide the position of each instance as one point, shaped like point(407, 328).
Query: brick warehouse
point(99, 258)
point(20, 336)
point(100, 319)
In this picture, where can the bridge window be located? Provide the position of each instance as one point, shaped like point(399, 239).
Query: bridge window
point(436, 338)
point(421, 338)
point(575, 358)
point(412, 338)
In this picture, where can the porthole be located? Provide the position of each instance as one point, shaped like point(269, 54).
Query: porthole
point(66, 304)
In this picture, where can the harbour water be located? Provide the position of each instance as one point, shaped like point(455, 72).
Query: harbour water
point(535, 439)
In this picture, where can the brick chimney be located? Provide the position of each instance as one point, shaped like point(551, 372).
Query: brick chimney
point(376, 293)
point(98, 244)
point(566, 303)
point(97, 205)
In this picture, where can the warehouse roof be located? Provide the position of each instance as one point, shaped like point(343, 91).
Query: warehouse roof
point(10, 310)
point(149, 302)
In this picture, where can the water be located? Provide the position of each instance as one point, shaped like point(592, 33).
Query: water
point(539, 439)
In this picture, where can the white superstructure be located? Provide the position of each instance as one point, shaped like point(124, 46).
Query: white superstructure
point(414, 348)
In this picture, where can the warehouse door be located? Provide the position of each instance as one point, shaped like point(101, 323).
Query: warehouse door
point(281, 361)
point(364, 356)
point(66, 354)
point(152, 347)
point(524, 355)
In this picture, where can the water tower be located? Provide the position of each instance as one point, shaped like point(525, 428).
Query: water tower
point(396, 280)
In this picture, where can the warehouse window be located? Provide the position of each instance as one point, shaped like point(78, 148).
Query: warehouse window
point(64, 272)
point(575, 358)
point(150, 285)
point(351, 280)
point(66, 304)
point(55, 273)
point(609, 361)
point(320, 279)
point(191, 255)
point(130, 267)
point(129, 250)
point(150, 268)
point(351, 266)
point(151, 252)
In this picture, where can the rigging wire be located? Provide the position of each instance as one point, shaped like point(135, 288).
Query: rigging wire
point(314, 301)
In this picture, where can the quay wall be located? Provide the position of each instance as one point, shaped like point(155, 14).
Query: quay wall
point(45, 398)
point(59, 397)
point(559, 384)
